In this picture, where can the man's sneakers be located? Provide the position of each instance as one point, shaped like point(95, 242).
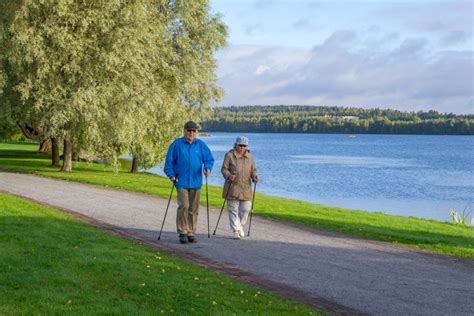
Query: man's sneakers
point(183, 238)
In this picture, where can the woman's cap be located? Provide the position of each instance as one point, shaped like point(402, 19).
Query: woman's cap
point(242, 140)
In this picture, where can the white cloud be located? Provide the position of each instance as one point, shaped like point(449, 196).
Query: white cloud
point(303, 23)
point(334, 73)
point(261, 69)
point(451, 22)
point(454, 37)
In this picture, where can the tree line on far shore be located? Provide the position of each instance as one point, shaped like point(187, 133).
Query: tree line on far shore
point(332, 119)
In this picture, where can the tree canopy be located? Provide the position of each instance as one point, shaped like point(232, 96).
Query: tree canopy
point(110, 77)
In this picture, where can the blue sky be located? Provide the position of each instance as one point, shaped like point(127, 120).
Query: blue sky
point(408, 55)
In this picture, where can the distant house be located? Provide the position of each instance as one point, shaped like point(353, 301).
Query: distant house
point(346, 117)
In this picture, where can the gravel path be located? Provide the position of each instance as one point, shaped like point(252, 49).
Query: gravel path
point(341, 274)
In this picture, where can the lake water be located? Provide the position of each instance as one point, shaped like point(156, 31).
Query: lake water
point(422, 176)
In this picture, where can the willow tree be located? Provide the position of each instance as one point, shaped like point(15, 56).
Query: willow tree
point(12, 119)
point(8, 126)
point(193, 36)
point(110, 76)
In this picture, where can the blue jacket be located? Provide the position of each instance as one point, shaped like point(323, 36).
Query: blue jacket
point(185, 161)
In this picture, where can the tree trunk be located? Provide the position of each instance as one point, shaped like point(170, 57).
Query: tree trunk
point(67, 156)
point(134, 164)
point(54, 152)
point(75, 155)
point(46, 146)
point(28, 131)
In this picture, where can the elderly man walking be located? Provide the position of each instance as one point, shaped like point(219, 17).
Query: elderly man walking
point(187, 159)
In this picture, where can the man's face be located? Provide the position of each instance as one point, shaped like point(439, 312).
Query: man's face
point(190, 134)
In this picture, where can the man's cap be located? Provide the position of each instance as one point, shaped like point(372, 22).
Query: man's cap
point(242, 140)
point(191, 125)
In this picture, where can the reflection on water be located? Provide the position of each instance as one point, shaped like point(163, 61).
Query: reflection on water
point(368, 162)
point(215, 148)
point(421, 176)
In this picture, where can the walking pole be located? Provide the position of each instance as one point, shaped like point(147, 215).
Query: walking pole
point(207, 203)
point(251, 209)
point(222, 208)
point(169, 200)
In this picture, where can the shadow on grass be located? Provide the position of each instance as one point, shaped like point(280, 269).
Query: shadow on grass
point(25, 159)
point(17, 158)
point(36, 161)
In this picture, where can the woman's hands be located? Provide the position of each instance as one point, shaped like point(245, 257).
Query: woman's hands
point(232, 177)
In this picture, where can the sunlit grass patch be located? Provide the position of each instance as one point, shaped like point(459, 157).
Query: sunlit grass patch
point(51, 263)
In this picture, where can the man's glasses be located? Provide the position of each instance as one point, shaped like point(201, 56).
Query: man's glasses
point(242, 145)
point(192, 130)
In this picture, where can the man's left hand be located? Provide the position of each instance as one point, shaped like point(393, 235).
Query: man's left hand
point(207, 172)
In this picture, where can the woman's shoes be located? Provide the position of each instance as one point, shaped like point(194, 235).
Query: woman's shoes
point(238, 234)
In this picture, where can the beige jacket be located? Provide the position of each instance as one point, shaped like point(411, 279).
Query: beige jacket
point(244, 169)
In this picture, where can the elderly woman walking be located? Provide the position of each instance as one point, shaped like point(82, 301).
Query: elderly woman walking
point(239, 170)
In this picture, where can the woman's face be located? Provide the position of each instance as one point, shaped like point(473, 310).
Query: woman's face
point(241, 149)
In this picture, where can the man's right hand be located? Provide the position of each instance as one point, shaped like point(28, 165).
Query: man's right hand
point(174, 179)
point(232, 177)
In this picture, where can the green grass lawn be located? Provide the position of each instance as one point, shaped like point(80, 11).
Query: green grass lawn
point(436, 236)
point(51, 263)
